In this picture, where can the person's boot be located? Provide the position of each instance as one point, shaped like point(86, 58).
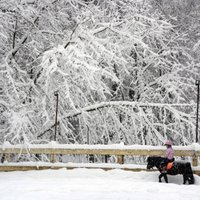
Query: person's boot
point(164, 171)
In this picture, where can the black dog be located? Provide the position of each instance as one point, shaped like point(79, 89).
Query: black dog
point(183, 168)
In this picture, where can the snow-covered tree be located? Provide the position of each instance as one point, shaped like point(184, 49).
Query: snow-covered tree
point(119, 67)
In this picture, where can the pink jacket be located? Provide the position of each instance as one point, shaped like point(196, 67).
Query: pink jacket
point(169, 154)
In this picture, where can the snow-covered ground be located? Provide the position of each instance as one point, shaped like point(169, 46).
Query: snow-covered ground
point(93, 184)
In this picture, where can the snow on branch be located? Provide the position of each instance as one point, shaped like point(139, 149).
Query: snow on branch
point(123, 103)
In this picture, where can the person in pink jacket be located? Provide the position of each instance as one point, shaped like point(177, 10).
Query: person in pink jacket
point(169, 155)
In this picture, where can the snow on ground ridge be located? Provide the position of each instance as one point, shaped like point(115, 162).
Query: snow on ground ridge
point(95, 184)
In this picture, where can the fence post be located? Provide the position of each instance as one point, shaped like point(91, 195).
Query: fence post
point(52, 156)
point(120, 159)
point(194, 159)
point(8, 157)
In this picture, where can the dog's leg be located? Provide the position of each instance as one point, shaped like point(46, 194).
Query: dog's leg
point(184, 179)
point(160, 176)
point(165, 177)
